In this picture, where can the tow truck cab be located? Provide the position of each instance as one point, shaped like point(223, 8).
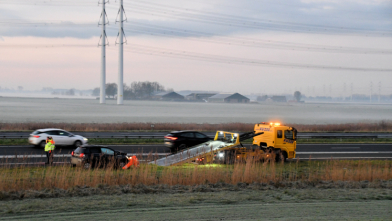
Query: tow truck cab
point(277, 138)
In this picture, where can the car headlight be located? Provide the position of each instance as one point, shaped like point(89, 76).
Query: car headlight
point(85, 139)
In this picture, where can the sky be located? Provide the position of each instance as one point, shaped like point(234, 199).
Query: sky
point(320, 47)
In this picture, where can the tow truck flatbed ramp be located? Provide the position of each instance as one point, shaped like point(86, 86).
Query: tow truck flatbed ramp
point(223, 140)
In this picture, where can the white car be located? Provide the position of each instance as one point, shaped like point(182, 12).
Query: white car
point(60, 137)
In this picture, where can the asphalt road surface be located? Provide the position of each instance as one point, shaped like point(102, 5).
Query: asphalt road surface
point(32, 155)
point(211, 134)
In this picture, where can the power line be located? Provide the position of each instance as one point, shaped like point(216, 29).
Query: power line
point(141, 49)
point(249, 42)
point(243, 22)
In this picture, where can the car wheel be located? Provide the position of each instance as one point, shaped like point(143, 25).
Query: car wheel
point(42, 144)
point(87, 165)
point(77, 143)
point(182, 146)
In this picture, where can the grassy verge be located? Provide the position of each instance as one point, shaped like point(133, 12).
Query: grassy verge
point(65, 177)
point(114, 141)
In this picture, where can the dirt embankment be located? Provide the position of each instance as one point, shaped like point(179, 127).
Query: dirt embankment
point(283, 201)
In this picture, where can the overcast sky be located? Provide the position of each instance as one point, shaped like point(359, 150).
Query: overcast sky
point(320, 47)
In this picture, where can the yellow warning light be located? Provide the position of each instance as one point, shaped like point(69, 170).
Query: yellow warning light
point(277, 124)
point(271, 123)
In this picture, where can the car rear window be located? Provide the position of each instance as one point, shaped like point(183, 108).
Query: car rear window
point(170, 135)
point(36, 132)
point(80, 150)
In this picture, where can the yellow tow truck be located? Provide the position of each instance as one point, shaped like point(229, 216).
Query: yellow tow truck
point(269, 140)
point(277, 139)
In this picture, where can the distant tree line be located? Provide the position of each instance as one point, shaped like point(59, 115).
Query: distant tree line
point(137, 90)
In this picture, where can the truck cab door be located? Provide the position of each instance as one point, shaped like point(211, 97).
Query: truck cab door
point(279, 141)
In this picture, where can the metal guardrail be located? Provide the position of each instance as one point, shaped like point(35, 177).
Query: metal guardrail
point(307, 136)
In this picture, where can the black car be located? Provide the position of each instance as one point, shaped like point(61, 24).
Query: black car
point(179, 140)
point(89, 156)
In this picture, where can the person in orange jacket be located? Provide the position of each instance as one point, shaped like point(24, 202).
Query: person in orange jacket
point(133, 161)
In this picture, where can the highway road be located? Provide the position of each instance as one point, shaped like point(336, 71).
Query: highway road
point(211, 134)
point(29, 154)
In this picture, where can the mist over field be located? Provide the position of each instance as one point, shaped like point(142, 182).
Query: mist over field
point(19, 110)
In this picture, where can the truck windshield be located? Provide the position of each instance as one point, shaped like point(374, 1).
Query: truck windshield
point(288, 134)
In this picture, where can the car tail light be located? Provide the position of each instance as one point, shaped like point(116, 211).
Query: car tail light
point(36, 136)
point(72, 153)
point(81, 155)
point(171, 138)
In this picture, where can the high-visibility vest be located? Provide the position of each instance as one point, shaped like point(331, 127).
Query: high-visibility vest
point(49, 146)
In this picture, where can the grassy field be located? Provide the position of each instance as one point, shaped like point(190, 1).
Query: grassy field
point(312, 190)
point(243, 204)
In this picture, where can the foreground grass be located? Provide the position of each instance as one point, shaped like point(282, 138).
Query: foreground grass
point(65, 177)
point(114, 141)
point(242, 204)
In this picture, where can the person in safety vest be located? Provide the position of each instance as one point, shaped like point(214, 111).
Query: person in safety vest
point(49, 147)
point(133, 161)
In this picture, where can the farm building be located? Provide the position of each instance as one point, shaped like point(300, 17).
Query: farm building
point(168, 96)
point(199, 96)
point(228, 98)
